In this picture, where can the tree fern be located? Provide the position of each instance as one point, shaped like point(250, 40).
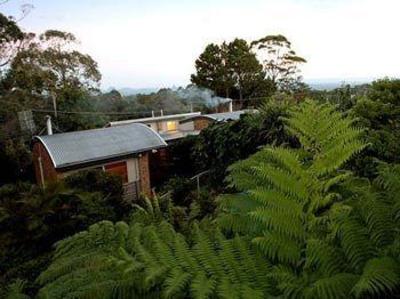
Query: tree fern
point(300, 226)
point(319, 234)
point(150, 260)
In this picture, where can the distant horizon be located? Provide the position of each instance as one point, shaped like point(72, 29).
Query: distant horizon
point(156, 42)
point(314, 81)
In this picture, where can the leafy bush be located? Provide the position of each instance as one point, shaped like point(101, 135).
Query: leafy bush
point(179, 189)
point(33, 219)
point(110, 186)
point(222, 144)
point(379, 112)
point(183, 159)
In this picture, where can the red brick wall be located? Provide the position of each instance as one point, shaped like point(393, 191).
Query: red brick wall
point(49, 172)
point(201, 123)
point(144, 173)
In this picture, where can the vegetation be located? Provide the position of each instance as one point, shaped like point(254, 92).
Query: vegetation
point(299, 201)
point(33, 219)
point(300, 227)
point(280, 62)
point(241, 70)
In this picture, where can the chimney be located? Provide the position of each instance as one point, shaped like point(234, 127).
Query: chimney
point(152, 113)
point(162, 112)
point(231, 105)
point(49, 125)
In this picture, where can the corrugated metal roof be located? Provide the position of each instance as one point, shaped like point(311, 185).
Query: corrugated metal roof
point(153, 119)
point(223, 116)
point(74, 148)
point(168, 136)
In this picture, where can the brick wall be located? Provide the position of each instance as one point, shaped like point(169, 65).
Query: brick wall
point(201, 123)
point(40, 153)
point(144, 174)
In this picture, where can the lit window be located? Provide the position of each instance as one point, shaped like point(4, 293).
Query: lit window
point(171, 126)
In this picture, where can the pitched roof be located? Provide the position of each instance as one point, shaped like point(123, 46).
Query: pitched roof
point(74, 148)
point(153, 119)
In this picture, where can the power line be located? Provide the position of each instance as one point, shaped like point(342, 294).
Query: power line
point(94, 112)
point(86, 112)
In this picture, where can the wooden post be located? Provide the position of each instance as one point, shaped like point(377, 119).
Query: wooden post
point(41, 172)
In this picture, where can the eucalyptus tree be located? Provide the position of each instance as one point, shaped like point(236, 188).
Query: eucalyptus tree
point(279, 60)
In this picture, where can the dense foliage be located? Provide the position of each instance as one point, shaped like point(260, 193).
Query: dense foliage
point(311, 206)
point(252, 70)
point(379, 112)
point(303, 228)
point(224, 143)
point(33, 219)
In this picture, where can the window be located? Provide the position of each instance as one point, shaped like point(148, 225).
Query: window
point(171, 126)
point(119, 169)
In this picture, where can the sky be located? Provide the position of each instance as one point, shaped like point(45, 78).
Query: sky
point(154, 43)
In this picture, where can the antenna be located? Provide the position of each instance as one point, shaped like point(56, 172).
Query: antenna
point(26, 121)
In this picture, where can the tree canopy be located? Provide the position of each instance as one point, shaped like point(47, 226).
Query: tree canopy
point(242, 70)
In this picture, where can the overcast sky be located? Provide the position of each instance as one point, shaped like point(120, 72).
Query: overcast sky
point(154, 43)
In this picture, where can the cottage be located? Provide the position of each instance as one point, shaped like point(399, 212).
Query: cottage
point(122, 150)
point(168, 126)
point(174, 127)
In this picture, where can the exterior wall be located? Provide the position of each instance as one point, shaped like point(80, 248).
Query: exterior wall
point(44, 168)
point(144, 174)
point(201, 123)
point(137, 169)
point(133, 171)
point(189, 126)
point(153, 126)
point(161, 125)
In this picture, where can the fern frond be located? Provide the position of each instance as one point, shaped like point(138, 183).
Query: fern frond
point(279, 248)
point(202, 287)
point(151, 261)
point(333, 287)
point(277, 221)
point(380, 276)
point(176, 282)
point(355, 242)
point(321, 256)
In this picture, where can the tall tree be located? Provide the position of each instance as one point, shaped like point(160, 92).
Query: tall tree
point(211, 71)
point(280, 61)
point(242, 65)
point(10, 38)
point(51, 63)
